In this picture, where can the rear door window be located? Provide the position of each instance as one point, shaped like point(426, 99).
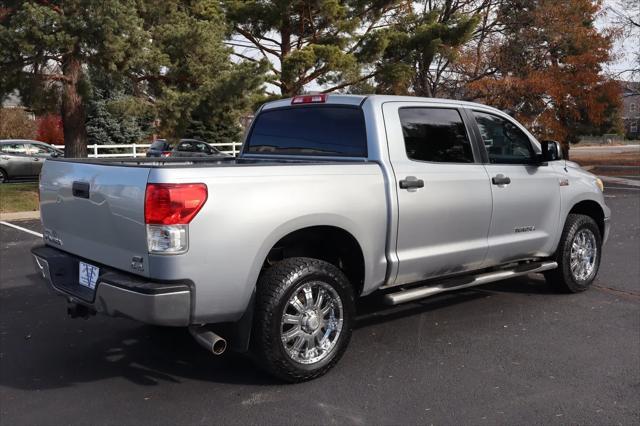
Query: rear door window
point(14, 148)
point(435, 134)
point(40, 150)
point(313, 130)
point(202, 147)
point(186, 147)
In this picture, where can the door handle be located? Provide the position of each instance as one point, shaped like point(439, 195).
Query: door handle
point(80, 189)
point(411, 182)
point(501, 179)
point(36, 159)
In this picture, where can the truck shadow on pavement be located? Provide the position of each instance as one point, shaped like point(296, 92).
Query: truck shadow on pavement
point(43, 349)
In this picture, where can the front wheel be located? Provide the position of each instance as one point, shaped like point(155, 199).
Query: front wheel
point(578, 255)
point(3, 176)
point(304, 317)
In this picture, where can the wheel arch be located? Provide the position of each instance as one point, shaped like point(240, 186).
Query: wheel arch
point(330, 243)
point(590, 208)
point(298, 241)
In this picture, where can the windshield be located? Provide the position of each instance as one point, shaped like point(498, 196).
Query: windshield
point(313, 130)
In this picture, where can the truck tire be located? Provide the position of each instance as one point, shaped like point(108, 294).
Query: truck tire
point(303, 319)
point(578, 255)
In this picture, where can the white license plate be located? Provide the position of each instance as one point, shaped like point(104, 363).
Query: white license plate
point(88, 275)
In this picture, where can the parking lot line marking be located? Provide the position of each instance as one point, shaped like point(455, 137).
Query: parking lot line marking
point(20, 228)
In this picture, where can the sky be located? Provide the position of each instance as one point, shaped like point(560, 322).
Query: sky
point(625, 47)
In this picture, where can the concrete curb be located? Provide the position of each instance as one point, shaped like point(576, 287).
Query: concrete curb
point(20, 215)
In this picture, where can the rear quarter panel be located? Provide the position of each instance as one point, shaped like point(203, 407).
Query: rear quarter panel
point(250, 208)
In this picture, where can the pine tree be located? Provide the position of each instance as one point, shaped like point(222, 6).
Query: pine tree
point(187, 74)
point(311, 41)
point(45, 47)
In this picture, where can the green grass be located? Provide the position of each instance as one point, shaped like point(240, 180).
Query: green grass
point(18, 197)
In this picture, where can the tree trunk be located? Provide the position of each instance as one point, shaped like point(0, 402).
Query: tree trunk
point(73, 114)
point(288, 80)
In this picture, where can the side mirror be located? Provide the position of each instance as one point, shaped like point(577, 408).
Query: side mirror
point(551, 151)
point(55, 154)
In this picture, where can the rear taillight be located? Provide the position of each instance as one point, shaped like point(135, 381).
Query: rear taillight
point(168, 209)
point(173, 203)
point(166, 153)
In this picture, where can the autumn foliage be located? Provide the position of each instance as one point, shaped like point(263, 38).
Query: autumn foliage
point(548, 69)
point(50, 129)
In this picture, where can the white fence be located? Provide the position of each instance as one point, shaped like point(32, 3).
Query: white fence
point(139, 149)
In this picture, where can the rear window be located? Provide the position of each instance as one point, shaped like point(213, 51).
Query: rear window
point(436, 135)
point(158, 145)
point(317, 130)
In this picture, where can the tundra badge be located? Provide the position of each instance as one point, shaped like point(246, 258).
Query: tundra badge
point(51, 236)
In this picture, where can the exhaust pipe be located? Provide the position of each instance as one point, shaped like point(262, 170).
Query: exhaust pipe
point(209, 340)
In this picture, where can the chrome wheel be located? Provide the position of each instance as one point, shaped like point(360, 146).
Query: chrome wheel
point(311, 323)
point(584, 252)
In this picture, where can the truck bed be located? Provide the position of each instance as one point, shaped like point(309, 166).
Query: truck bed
point(95, 209)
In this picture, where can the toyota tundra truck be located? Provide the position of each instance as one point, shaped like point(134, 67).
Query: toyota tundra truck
point(332, 198)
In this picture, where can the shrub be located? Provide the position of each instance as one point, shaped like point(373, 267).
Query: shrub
point(16, 123)
point(50, 129)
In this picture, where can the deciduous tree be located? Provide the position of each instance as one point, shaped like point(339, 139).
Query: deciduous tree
point(626, 14)
point(549, 69)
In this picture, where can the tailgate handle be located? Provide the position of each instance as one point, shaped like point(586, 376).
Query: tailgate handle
point(80, 189)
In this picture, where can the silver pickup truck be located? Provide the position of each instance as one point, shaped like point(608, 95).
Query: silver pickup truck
point(333, 197)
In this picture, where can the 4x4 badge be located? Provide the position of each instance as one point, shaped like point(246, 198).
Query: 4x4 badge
point(137, 263)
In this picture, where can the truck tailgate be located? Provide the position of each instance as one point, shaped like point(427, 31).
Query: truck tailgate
point(95, 211)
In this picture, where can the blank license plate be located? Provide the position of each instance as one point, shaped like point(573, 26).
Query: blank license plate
point(88, 275)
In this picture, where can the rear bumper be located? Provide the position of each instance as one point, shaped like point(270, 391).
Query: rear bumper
point(116, 293)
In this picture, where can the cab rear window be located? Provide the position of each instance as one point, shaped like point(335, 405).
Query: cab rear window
point(309, 130)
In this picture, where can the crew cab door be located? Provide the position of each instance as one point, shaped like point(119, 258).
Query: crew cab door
point(526, 193)
point(444, 197)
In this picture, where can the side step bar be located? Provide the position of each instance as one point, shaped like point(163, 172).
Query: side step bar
point(404, 296)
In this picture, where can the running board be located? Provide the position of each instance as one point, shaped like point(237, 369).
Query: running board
point(404, 296)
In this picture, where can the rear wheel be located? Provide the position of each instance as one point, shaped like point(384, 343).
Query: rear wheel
point(578, 255)
point(304, 317)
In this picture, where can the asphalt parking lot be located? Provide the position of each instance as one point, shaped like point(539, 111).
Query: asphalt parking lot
point(509, 353)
